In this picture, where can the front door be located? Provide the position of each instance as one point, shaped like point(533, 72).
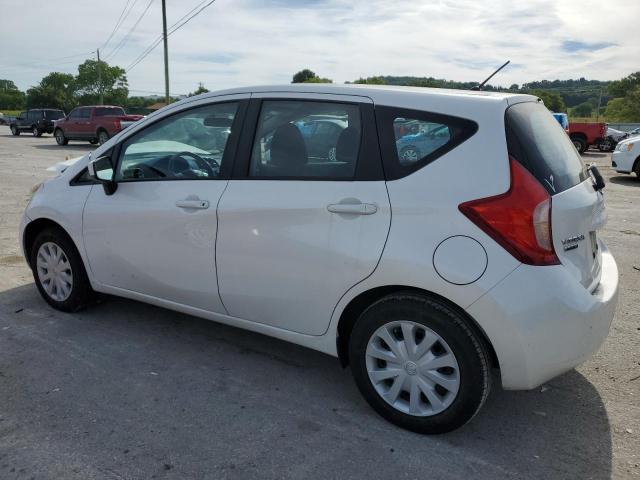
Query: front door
point(156, 234)
point(297, 230)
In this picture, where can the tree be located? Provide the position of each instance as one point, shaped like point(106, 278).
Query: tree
point(585, 109)
point(620, 88)
point(110, 81)
point(201, 89)
point(552, 100)
point(371, 81)
point(625, 109)
point(56, 90)
point(303, 76)
point(11, 98)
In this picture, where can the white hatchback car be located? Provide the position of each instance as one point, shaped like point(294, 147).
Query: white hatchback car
point(626, 156)
point(421, 271)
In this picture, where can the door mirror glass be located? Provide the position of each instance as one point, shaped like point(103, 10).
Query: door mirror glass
point(101, 171)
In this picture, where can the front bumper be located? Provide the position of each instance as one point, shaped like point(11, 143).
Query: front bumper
point(542, 322)
point(24, 221)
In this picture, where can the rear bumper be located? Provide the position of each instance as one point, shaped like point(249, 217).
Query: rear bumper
point(542, 322)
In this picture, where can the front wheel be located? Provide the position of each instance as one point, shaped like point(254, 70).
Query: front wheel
point(59, 273)
point(419, 364)
point(14, 131)
point(409, 155)
point(60, 138)
point(35, 131)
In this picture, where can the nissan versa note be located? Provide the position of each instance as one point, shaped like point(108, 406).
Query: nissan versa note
point(421, 272)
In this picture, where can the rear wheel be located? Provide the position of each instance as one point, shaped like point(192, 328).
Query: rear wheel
point(419, 364)
point(580, 144)
point(409, 155)
point(93, 141)
point(636, 167)
point(60, 138)
point(59, 273)
point(103, 136)
point(14, 131)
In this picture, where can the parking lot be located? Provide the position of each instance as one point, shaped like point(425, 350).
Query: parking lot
point(125, 390)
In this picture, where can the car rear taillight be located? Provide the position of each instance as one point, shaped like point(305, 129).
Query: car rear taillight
point(519, 219)
point(116, 124)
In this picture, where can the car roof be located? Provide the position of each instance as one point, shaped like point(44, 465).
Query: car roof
point(371, 91)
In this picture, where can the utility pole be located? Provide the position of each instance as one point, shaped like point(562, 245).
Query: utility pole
point(599, 103)
point(166, 53)
point(100, 78)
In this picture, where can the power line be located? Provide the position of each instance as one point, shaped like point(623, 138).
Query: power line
point(124, 39)
point(157, 41)
point(118, 24)
point(171, 31)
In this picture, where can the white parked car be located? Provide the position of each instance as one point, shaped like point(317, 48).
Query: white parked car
point(626, 156)
point(421, 273)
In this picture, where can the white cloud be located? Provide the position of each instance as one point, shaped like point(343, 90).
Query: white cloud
point(246, 42)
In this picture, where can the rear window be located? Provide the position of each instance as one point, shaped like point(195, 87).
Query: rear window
point(53, 114)
point(411, 139)
point(109, 111)
point(540, 144)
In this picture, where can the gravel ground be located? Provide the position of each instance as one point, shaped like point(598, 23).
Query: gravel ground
point(127, 391)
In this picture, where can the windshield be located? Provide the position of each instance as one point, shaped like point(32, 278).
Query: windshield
point(108, 111)
point(539, 143)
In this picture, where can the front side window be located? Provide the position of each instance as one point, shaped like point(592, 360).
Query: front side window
point(306, 139)
point(186, 146)
point(411, 139)
point(75, 113)
point(85, 113)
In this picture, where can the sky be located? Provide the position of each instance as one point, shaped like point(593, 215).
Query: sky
point(247, 42)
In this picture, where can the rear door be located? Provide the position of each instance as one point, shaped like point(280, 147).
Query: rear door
point(296, 231)
point(539, 143)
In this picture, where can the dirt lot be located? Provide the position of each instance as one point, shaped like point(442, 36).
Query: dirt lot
point(127, 391)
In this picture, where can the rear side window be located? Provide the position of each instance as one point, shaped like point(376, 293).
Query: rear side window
point(540, 144)
point(108, 111)
point(411, 139)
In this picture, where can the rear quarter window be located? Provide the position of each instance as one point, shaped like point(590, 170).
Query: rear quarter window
point(411, 139)
point(540, 144)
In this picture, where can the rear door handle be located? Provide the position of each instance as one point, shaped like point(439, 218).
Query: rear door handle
point(199, 204)
point(353, 208)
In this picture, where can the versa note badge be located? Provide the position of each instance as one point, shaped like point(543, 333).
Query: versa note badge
point(572, 242)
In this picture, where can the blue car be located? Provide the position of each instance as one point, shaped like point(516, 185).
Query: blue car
point(414, 146)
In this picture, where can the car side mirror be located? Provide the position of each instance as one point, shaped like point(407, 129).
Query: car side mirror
point(101, 171)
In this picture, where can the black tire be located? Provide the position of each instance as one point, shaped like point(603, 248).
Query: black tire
point(636, 167)
point(468, 349)
point(580, 144)
point(14, 131)
point(103, 136)
point(36, 132)
point(81, 294)
point(61, 139)
point(93, 141)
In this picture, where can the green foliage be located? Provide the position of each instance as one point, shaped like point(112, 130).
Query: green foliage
point(585, 109)
point(552, 100)
point(56, 90)
point(626, 108)
point(371, 81)
point(308, 76)
point(201, 89)
point(110, 81)
point(303, 75)
point(11, 98)
point(621, 88)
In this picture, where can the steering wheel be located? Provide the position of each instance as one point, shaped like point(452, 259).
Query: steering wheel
point(202, 163)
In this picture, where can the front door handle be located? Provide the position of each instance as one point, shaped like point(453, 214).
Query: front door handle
point(353, 208)
point(199, 204)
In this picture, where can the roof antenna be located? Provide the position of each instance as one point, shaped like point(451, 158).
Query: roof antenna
point(479, 87)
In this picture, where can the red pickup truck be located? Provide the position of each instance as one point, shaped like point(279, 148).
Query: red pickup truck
point(97, 124)
point(583, 135)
